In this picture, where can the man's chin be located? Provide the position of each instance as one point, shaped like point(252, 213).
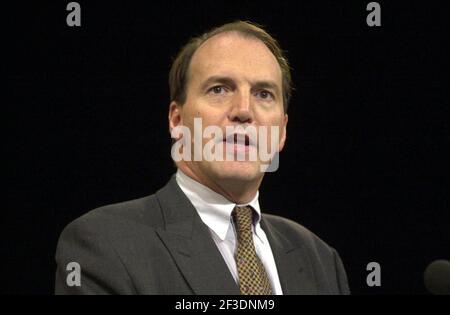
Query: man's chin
point(237, 170)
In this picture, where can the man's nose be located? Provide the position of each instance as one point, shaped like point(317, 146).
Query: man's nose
point(241, 110)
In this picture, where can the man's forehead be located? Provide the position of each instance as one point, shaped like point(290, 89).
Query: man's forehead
point(230, 51)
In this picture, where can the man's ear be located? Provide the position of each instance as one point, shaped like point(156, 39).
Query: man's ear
point(175, 118)
point(283, 133)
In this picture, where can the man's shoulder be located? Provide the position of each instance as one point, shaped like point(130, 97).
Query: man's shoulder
point(105, 242)
point(298, 234)
point(286, 224)
point(324, 261)
point(122, 216)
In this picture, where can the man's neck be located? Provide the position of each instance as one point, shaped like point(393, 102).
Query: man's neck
point(239, 192)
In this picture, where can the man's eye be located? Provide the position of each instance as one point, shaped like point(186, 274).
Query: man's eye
point(218, 89)
point(265, 95)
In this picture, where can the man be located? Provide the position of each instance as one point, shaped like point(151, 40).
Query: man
point(204, 232)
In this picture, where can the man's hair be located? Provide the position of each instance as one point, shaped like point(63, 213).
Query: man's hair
point(179, 71)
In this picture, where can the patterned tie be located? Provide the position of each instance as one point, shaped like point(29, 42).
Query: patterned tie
point(253, 279)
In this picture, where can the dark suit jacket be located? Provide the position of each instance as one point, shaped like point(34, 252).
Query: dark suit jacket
point(159, 245)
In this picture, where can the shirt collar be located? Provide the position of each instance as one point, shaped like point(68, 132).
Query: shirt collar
point(213, 208)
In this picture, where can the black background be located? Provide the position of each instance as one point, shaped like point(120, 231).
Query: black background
point(366, 162)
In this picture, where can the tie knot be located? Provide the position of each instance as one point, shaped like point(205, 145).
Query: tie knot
point(243, 217)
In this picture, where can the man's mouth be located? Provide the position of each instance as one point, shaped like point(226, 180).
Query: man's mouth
point(241, 139)
point(239, 142)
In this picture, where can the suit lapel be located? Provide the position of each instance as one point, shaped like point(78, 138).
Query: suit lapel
point(293, 265)
point(190, 243)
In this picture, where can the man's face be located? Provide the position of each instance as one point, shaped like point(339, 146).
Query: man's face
point(232, 81)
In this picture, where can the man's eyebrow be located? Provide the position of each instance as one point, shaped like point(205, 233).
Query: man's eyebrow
point(264, 84)
point(217, 79)
point(267, 85)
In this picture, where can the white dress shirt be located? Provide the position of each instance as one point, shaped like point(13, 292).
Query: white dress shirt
point(215, 211)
